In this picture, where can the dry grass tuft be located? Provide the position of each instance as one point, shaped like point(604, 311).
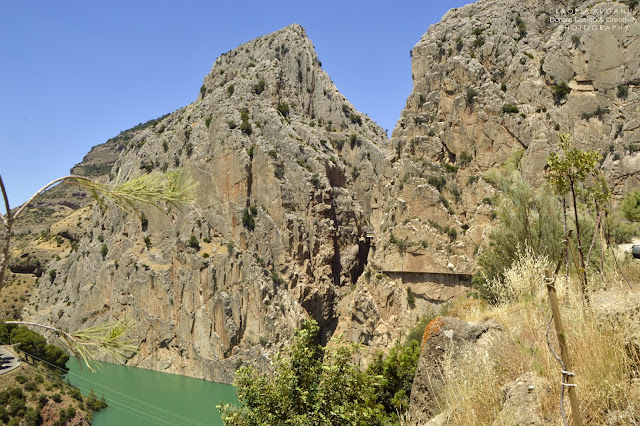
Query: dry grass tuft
point(606, 366)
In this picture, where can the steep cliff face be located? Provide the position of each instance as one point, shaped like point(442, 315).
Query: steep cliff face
point(431, 207)
point(304, 206)
point(492, 78)
point(285, 165)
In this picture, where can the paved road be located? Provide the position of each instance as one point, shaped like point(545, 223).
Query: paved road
point(9, 360)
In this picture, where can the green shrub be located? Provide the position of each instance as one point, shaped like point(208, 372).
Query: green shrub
point(522, 28)
point(464, 158)
point(230, 89)
point(193, 242)
point(147, 242)
point(315, 180)
point(528, 218)
point(104, 250)
point(245, 128)
point(631, 206)
point(471, 95)
point(355, 118)
point(397, 371)
point(310, 384)
point(437, 181)
point(510, 109)
point(478, 42)
point(411, 298)
point(258, 88)
point(560, 91)
point(95, 404)
point(232, 124)
point(353, 140)
point(598, 112)
point(283, 108)
point(622, 231)
point(248, 219)
point(623, 91)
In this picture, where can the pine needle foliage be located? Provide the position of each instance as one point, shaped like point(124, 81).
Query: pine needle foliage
point(173, 188)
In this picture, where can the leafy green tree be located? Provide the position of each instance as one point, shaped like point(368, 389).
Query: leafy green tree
point(631, 206)
point(567, 173)
point(397, 371)
point(313, 386)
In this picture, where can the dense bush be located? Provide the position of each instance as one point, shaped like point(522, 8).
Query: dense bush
point(510, 109)
point(438, 181)
point(560, 91)
point(193, 242)
point(397, 371)
point(323, 386)
point(528, 218)
point(623, 91)
point(258, 88)
point(631, 206)
point(283, 108)
point(248, 218)
point(245, 127)
point(313, 386)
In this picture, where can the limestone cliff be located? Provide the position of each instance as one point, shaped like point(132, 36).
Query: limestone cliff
point(285, 165)
point(491, 78)
point(304, 206)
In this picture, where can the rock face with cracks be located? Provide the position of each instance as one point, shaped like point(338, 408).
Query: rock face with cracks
point(284, 165)
point(304, 207)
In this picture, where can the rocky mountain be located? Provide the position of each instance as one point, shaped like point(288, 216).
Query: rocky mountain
point(304, 207)
point(285, 165)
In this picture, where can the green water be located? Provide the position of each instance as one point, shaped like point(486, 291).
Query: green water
point(139, 397)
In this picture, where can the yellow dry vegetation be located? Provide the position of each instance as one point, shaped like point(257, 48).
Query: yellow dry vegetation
point(605, 363)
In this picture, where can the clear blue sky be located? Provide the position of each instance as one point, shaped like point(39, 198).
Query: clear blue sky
point(75, 73)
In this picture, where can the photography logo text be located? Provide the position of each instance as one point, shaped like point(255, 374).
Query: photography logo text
point(593, 19)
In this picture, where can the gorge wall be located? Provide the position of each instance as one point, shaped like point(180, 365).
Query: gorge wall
point(304, 207)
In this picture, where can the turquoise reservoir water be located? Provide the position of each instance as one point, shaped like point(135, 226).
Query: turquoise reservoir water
point(139, 397)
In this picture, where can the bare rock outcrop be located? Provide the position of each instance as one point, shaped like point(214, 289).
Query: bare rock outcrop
point(445, 341)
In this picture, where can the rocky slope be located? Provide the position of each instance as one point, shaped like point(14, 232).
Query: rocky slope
point(304, 206)
point(489, 79)
point(432, 205)
point(284, 165)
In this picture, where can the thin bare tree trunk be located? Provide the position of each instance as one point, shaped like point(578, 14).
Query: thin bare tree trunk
point(583, 271)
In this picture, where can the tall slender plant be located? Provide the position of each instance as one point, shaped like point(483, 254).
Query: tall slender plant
point(567, 173)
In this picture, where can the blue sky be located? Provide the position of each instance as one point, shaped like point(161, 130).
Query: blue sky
point(75, 73)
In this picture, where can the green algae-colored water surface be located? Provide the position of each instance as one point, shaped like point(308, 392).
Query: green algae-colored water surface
point(143, 397)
